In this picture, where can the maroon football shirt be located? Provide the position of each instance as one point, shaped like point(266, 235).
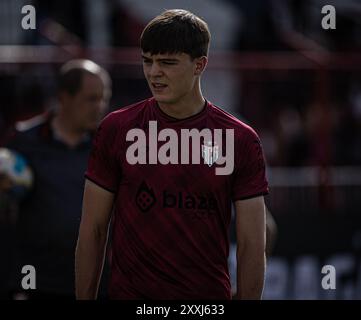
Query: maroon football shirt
point(171, 221)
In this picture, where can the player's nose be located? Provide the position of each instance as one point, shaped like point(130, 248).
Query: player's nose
point(155, 70)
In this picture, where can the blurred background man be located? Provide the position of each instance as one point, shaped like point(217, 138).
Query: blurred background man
point(56, 144)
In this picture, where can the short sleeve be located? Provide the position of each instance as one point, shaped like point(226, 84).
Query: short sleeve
point(250, 172)
point(104, 168)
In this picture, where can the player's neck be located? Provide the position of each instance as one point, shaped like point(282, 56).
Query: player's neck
point(186, 107)
point(64, 131)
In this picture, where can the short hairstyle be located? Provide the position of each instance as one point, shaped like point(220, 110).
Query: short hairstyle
point(72, 73)
point(176, 31)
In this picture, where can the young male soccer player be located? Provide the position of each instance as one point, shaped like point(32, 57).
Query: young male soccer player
point(171, 212)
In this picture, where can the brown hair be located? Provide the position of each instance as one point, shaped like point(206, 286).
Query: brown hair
point(176, 31)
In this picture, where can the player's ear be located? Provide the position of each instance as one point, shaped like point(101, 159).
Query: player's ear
point(200, 65)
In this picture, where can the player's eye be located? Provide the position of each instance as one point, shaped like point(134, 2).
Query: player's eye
point(169, 62)
point(146, 61)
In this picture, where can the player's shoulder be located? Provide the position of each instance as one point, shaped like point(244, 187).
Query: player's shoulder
point(31, 126)
point(30, 129)
point(228, 121)
point(126, 116)
point(26, 133)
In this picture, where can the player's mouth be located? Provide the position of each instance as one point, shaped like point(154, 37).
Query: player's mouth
point(158, 87)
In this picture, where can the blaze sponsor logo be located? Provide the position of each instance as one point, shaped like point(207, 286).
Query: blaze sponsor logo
point(145, 198)
point(196, 206)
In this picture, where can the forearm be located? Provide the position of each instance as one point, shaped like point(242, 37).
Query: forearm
point(89, 261)
point(251, 269)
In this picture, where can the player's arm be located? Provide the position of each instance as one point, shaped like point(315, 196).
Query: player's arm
point(93, 236)
point(250, 230)
point(271, 233)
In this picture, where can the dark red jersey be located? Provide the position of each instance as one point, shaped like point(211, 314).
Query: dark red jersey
point(171, 221)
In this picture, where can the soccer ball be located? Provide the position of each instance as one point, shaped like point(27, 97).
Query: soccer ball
point(16, 168)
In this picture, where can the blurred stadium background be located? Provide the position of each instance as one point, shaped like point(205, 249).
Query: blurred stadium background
point(272, 65)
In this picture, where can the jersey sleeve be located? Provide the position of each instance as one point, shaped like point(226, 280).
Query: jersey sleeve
point(104, 168)
point(250, 171)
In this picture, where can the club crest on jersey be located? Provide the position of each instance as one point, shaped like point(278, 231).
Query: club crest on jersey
point(210, 153)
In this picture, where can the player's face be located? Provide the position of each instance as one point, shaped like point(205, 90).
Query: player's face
point(171, 77)
point(87, 107)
